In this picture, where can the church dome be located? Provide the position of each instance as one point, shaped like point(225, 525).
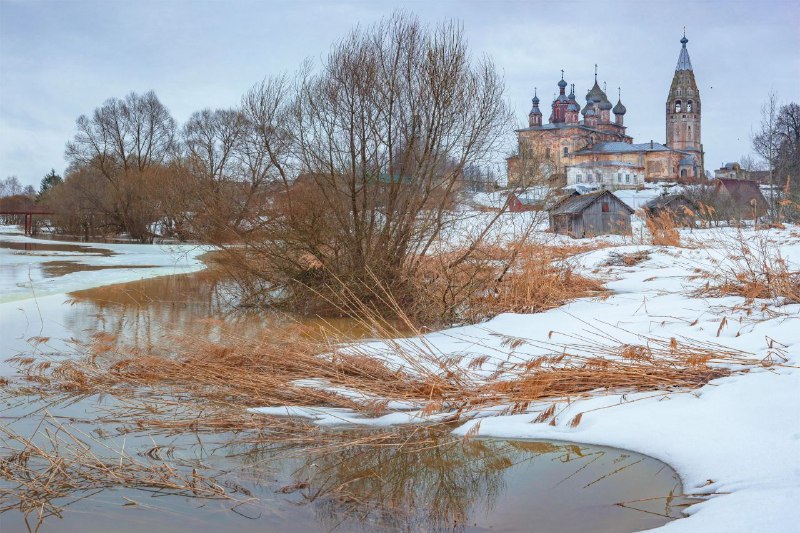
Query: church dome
point(605, 105)
point(573, 106)
point(619, 109)
point(562, 83)
point(596, 94)
point(535, 100)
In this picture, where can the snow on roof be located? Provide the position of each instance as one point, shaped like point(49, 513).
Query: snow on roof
point(622, 147)
point(577, 203)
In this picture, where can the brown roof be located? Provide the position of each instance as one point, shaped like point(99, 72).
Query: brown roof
point(578, 202)
point(742, 191)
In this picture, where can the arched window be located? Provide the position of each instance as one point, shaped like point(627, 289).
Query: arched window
point(677, 106)
point(689, 106)
point(683, 173)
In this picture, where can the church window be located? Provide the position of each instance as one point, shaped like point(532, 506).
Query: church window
point(689, 106)
point(589, 177)
point(627, 178)
point(679, 92)
point(578, 180)
point(683, 173)
point(619, 177)
point(677, 106)
point(599, 178)
point(547, 152)
point(566, 150)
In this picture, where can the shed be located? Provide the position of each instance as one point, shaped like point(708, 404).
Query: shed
point(680, 207)
point(587, 215)
point(746, 197)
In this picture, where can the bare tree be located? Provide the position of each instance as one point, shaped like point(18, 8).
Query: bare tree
point(766, 142)
point(10, 186)
point(126, 140)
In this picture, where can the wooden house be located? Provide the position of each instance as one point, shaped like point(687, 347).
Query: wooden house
point(587, 215)
point(679, 206)
point(745, 198)
point(531, 199)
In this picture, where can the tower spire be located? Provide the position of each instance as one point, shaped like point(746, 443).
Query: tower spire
point(683, 58)
point(595, 72)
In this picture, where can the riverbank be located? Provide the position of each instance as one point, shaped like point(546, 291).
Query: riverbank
point(734, 439)
point(38, 274)
point(359, 480)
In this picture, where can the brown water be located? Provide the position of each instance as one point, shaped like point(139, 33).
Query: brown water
point(197, 304)
point(440, 484)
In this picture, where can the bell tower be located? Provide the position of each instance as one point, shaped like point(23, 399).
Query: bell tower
point(683, 108)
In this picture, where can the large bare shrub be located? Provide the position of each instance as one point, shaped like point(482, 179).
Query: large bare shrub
point(366, 155)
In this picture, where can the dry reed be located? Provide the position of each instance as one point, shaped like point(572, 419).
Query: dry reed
point(753, 269)
point(663, 229)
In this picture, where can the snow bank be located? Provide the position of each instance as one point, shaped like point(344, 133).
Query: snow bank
point(22, 275)
point(737, 438)
point(32, 303)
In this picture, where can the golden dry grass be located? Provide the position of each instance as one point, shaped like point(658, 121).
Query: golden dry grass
point(663, 229)
point(753, 268)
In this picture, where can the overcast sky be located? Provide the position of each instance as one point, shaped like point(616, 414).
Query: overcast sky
point(61, 59)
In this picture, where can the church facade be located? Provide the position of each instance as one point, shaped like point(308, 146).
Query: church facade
point(584, 145)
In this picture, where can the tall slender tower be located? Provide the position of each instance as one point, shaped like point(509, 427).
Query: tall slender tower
point(683, 108)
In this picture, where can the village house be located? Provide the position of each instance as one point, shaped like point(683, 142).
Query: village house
point(531, 199)
point(679, 207)
point(742, 199)
point(597, 150)
point(588, 215)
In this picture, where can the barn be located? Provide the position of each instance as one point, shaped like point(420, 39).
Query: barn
point(587, 215)
point(531, 199)
point(679, 206)
point(745, 196)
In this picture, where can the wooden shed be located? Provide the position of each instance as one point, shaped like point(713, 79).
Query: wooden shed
point(679, 206)
point(745, 196)
point(531, 199)
point(587, 215)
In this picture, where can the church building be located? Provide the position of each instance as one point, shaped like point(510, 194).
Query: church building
point(595, 150)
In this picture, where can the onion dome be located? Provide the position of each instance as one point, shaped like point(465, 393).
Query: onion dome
point(596, 93)
point(605, 104)
point(562, 84)
point(573, 106)
point(619, 109)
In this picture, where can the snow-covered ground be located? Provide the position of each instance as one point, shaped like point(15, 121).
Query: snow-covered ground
point(32, 302)
point(737, 438)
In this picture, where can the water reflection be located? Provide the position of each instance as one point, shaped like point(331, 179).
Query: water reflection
point(199, 304)
point(432, 482)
